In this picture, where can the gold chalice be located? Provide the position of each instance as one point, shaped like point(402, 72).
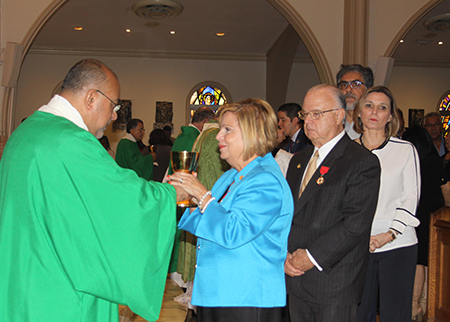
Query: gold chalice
point(187, 162)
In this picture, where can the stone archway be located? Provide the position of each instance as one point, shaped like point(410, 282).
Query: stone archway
point(9, 95)
point(307, 36)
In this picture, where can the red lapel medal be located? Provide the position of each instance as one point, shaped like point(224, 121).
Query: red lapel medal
point(323, 170)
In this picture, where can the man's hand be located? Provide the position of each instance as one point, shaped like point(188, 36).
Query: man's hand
point(301, 261)
point(289, 269)
point(181, 194)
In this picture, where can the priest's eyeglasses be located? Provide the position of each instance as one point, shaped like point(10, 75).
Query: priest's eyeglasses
point(116, 106)
point(355, 84)
point(314, 114)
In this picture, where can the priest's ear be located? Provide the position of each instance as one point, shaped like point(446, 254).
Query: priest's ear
point(90, 99)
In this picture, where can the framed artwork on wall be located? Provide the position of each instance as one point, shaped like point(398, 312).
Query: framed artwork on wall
point(123, 116)
point(416, 116)
point(164, 115)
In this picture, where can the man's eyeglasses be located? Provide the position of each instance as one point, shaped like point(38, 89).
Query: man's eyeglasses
point(427, 125)
point(355, 84)
point(314, 114)
point(116, 106)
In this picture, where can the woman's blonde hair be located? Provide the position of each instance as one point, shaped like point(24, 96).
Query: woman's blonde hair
point(391, 127)
point(258, 124)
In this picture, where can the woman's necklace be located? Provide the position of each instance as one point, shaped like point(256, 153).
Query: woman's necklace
point(379, 147)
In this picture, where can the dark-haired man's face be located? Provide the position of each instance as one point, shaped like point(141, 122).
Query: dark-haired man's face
point(285, 124)
point(138, 132)
point(352, 94)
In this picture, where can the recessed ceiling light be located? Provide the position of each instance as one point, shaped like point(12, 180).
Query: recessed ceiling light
point(128, 30)
point(220, 34)
point(78, 28)
point(172, 32)
point(440, 43)
point(401, 41)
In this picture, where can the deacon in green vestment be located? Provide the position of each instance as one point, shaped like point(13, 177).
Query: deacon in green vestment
point(210, 169)
point(184, 142)
point(129, 156)
point(78, 233)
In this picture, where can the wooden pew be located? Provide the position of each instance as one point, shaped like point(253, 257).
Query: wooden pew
point(439, 267)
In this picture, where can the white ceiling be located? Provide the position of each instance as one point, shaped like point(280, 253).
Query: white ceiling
point(251, 28)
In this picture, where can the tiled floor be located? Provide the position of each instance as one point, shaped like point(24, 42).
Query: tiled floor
point(171, 311)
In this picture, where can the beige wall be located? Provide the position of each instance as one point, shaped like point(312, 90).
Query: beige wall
point(302, 78)
point(144, 81)
point(419, 88)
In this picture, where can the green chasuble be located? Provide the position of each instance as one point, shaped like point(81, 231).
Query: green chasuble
point(78, 233)
point(210, 168)
point(184, 142)
point(129, 156)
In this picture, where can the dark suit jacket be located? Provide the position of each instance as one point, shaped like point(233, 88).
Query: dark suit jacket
point(301, 142)
point(333, 221)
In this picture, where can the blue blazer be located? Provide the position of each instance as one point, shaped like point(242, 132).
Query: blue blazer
point(242, 241)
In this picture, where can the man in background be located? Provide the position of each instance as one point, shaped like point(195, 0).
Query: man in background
point(290, 123)
point(352, 81)
point(335, 186)
point(129, 156)
point(77, 231)
point(433, 125)
point(168, 131)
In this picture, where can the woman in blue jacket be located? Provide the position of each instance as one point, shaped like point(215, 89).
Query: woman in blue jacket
point(243, 224)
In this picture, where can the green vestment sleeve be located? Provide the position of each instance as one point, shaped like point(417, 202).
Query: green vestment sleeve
point(78, 233)
point(129, 156)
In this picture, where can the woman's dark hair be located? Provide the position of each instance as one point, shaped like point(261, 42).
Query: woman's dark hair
point(421, 139)
point(105, 142)
point(159, 137)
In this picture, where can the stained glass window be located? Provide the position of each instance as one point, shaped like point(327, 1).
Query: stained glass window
point(444, 110)
point(207, 95)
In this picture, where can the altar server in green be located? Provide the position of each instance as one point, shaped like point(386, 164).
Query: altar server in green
point(128, 154)
point(78, 233)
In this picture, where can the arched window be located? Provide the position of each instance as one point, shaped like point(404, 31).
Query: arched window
point(208, 93)
point(444, 110)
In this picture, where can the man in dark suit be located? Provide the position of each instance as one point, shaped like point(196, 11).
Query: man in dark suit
point(329, 240)
point(290, 123)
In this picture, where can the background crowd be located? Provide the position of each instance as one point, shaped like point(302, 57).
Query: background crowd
point(316, 212)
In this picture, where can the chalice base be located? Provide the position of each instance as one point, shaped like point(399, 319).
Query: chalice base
point(186, 203)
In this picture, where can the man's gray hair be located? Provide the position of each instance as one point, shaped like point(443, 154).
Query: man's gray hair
point(88, 72)
point(365, 72)
point(433, 114)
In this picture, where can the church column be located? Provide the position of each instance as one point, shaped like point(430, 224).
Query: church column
point(356, 32)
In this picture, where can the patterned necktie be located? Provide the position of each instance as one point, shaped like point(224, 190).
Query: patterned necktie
point(312, 166)
point(291, 145)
